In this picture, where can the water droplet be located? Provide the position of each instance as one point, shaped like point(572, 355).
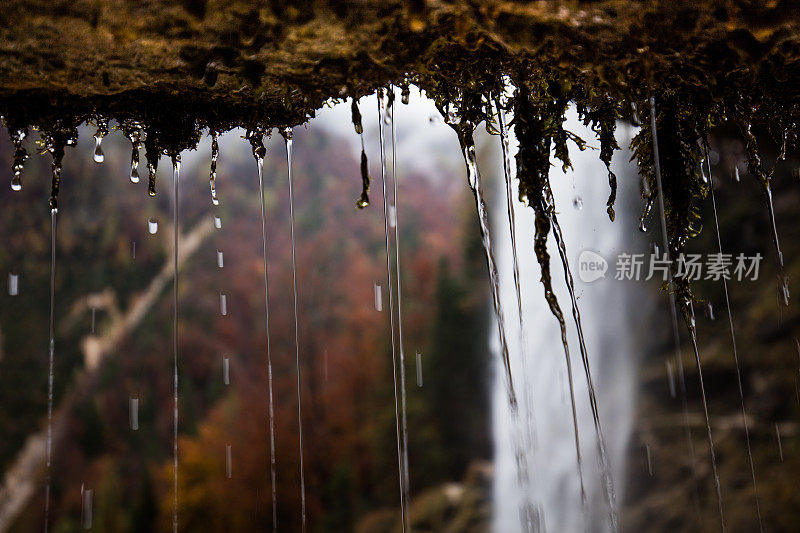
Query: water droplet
point(13, 284)
point(710, 311)
point(654, 249)
point(378, 297)
point(152, 225)
point(220, 262)
point(133, 415)
point(99, 157)
point(419, 369)
point(577, 202)
point(392, 216)
point(223, 304)
point(736, 172)
point(217, 222)
point(642, 226)
point(226, 370)
point(94, 313)
point(228, 462)
point(87, 496)
point(434, 119)
point(133, 250)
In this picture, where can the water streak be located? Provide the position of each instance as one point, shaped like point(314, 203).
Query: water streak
point(691, 324)
point(672, 307)
point(50, 362)
point(400, 461)
point(176, 174)
point(735, 352)
point(287, 137)
point(394, 224)
point(576, 315)
point(272, 461)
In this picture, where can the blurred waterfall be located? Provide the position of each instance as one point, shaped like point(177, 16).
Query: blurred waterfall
point(611, 330)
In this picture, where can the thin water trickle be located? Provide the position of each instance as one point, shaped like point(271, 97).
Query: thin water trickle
point(672, 306)
point(133, 250)
point(649, 460)
point(778, 437)
point(775, 240)
point(50, 363)
point(400, 456)
point(176, 174)
point(576, 315)
point(394, 224)
point(94, 312)
point(272, 462)
point(735, 356)
point(287, 137)
point(527, 391)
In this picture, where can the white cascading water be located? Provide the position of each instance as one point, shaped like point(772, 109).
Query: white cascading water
point(610, 328)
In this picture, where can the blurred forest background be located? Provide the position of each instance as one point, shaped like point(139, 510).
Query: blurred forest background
point(345, 351)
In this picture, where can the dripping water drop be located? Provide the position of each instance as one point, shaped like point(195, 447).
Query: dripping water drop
point(577, 203)
point(13, 284)
point(226, 370)
point(217, 222)
point(220, 262)
point(378, 296)
point(223, 304)
point(419, 369)
point(133, 413)
point(152, 225)
point(99, 157)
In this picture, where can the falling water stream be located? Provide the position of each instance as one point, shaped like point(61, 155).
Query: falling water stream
point(735, 353)
point(287, 137)
point(176, 174)
point(692, 330)
point(50, 361)
point(400, 456)
point(608, 336)
point(272, 466)
point(393, 222)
